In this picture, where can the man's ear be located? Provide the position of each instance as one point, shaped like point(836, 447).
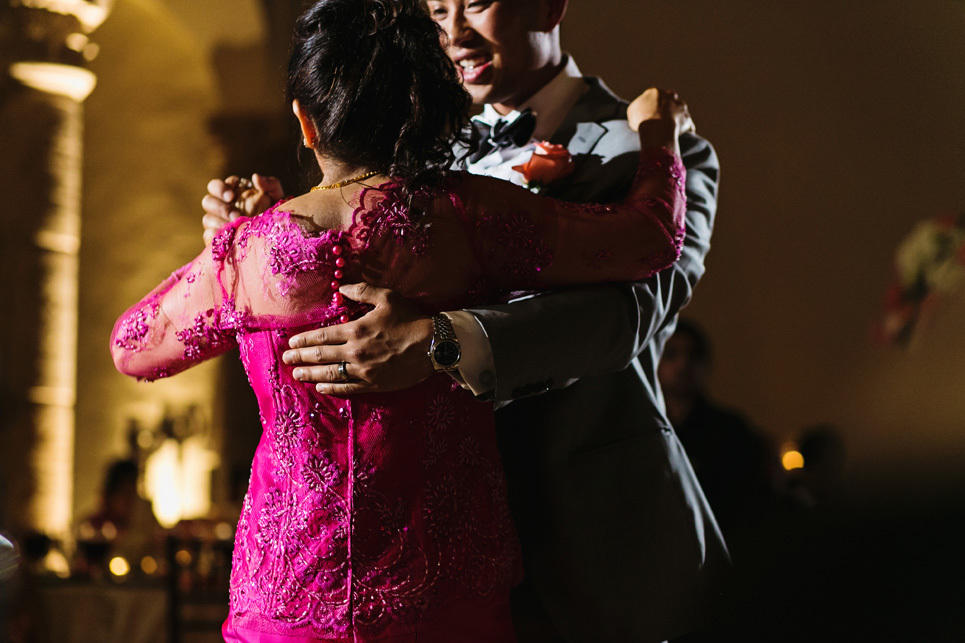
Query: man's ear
point(554, 10)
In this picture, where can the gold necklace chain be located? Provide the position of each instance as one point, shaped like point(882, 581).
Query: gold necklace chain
point(342, 184)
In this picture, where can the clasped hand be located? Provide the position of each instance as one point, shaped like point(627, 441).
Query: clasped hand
point(234, 197)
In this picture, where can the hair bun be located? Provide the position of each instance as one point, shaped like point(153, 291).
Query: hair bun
point(378, 85)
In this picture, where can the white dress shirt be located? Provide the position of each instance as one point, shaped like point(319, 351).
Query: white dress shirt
point(550, 105)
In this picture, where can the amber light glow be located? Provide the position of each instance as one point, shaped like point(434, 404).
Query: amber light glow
point(792, 460)
point(119, 566)
point(149, 565)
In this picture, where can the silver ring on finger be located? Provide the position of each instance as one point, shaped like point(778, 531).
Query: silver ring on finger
point(343, 371)
point(239, 205)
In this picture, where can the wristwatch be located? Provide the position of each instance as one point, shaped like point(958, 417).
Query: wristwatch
point(444, 351)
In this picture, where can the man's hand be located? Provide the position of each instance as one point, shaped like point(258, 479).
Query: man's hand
point(384, 350)
point(234, 197)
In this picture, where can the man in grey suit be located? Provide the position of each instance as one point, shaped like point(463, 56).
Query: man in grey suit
point(619, 543)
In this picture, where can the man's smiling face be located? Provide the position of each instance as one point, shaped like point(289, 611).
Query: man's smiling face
point(495, 45)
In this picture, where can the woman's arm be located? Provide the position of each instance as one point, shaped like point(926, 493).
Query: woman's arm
point(526, 241)
point(564, 335)
point(529, 242)
point(187, 319)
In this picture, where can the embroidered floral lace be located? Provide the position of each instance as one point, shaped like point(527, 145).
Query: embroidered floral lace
point(367, 515)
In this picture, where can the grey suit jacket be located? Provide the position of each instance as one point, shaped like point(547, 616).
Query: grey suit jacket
point(618, 540)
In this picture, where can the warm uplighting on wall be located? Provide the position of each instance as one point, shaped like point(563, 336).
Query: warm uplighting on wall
point(177, 479)
point(91, 13)
point(62, 80)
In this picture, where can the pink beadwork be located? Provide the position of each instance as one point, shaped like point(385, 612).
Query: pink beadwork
point(211, 332)
point(135, 326)
point(390, 217)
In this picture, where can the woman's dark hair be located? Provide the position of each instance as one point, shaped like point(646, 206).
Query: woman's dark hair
point(381, 90)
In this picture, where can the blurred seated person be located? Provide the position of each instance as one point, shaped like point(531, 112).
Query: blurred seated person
point(734, 464)
point(124, 525)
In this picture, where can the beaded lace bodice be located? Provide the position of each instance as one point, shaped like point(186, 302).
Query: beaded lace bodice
point(364, 515)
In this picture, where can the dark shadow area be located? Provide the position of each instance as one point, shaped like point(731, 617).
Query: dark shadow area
point(869, 571)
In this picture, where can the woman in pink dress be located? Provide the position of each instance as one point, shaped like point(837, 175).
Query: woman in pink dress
point(384, 517)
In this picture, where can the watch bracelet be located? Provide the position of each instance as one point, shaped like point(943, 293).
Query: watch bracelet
point(442, 328)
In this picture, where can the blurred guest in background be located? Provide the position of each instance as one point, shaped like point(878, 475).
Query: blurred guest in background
point(734, 464)
point(124, 525)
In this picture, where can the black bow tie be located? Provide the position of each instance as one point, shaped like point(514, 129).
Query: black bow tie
point(514, 133)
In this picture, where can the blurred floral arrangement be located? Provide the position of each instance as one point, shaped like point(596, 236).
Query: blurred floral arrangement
point(930, 264)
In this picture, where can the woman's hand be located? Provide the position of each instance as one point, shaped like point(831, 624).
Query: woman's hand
point(660, 105)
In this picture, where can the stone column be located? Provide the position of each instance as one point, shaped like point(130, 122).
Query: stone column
point(43, 84)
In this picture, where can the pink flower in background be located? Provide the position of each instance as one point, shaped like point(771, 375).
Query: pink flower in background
point(929, 264)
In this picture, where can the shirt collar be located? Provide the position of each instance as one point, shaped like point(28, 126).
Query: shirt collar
point(550, 104)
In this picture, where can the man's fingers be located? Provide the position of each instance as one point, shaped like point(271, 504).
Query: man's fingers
point(214, 205)
point(322, 374)
point(269, 185)
point(314, 354)
point(326, 374)
point(364, 293)
point(212, 224)
point(218, 188)
point(349, 388)
point(232, 188)
point(330, 335)
point(213, 221)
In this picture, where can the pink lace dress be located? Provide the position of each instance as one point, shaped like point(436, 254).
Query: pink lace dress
point(383, 516)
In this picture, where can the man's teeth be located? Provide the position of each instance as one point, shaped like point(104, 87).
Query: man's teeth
point(470, 65)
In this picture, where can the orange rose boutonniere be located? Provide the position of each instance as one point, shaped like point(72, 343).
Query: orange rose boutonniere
point(547, 164)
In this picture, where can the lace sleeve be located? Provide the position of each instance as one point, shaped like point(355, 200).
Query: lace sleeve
point(526, 241)
point(188, 318)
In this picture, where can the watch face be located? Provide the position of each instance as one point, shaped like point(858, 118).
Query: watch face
point(446, 353)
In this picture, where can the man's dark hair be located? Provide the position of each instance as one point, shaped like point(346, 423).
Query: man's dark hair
point(379, 87)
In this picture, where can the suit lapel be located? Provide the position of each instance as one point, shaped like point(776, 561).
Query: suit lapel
point(583, 126)
point(585, 138)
